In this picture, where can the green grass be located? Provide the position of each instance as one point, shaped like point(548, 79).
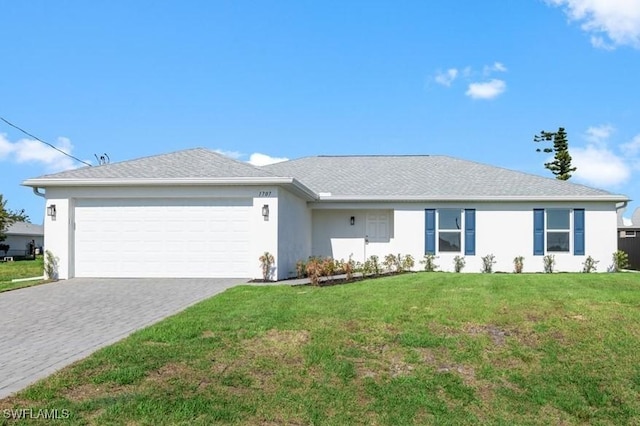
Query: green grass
point(20, 269)
point(411, 349)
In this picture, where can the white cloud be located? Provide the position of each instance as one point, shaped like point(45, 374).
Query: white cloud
point(631, 148)
point(258, 159)
point(231, 154)
point(496, 67)
point(499, 66)
point(598, 166)
point(598, 135)
point(486, 90)
point(610, 23)
point(446, 78)
point(33, 151)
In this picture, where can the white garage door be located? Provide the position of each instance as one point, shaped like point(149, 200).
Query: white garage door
point(162, 238)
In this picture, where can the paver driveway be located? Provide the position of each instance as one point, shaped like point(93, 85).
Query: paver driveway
point(47, 327)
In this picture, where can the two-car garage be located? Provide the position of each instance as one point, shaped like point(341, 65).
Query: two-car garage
point(176, 237)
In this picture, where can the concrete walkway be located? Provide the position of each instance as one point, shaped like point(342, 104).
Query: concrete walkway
point(47, 327)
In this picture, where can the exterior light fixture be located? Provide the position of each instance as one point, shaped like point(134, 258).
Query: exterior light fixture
point(265, 212)
point(51, 211)
point(352, 221)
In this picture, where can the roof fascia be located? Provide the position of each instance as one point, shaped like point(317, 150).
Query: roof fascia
point(411, 199)
point(291, 184)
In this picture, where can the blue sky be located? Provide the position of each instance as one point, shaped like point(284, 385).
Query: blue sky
point(284, 79)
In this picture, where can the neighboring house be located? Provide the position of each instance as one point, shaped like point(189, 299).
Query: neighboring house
point(196, 213)
point(629, 238)
point(19, 235)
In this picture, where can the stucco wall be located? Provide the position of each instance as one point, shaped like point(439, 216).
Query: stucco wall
point(504, 230)
point(18, 244)
point(294, 233)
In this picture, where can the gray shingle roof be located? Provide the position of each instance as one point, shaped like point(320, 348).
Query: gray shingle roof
point(398, 177)
point(428, 176)
point(190, 163)
point(24, 228)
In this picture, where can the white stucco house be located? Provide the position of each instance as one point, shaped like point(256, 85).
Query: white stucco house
point(19, 235)
point(196, 213)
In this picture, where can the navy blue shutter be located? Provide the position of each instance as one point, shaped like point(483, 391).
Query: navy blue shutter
point(470, 232)
point(578, 232)
point(538, 232)
point(430, 234)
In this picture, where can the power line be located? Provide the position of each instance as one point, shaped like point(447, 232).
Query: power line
point(46, 143)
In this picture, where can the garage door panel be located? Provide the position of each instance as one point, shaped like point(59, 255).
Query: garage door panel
point(162, 238)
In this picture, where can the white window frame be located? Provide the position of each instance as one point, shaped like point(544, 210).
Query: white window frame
point(451, 230)
point(568, 231)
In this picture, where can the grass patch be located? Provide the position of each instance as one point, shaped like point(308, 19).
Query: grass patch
point(20, 269)
point(410, 349)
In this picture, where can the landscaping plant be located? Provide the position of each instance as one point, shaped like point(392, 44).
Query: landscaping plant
point(408, 262)
point(487, 263)
point(518, 264)
point(429, 262)
point(589, 265)
point(375, 264)
point(51, 265)
point(266, 262)
point(548, 262)
point(391, 263)
point(620, 261)
point(458, 263)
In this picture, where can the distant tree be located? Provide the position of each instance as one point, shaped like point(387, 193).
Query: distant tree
point(7, 217)
point(561, 164)
point(19, 216)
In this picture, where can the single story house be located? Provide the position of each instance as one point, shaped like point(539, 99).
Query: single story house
point(19, 235)
point(196, 213)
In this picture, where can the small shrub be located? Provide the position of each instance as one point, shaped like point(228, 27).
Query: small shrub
point(487, 263)
point(458, 263)
point(620, 261)
point(518, 264)
point(266, 263)
point(408, 262)
point(300, 269)
point(5, 248)
point(314, 270)
point(367, 267)
point(549, 261)
point(429, 262)
point(51, 265)
point(375, 264)
point(589, 265)
point(391, 263)
point(348, 267)
point(328, 268)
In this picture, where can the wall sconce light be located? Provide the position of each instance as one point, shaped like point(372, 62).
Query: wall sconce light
point(51, 211)
point(265, 212)
point(352, 221)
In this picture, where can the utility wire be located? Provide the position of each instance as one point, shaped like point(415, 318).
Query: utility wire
point(46, 143)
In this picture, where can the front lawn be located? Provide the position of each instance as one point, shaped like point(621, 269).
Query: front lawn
point(20, 269)
point(410, 349)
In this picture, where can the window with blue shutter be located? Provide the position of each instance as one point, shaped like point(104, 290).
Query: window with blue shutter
point(538, 232)
point(470, 232)
point(430, 231)
point(578, 232)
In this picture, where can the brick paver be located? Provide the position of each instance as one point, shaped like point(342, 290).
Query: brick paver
point(47, 327)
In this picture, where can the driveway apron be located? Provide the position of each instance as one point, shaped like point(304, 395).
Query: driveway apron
point(47, 327)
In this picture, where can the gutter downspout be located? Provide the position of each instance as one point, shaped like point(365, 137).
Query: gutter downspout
point(38, 193)
point(621, 206)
